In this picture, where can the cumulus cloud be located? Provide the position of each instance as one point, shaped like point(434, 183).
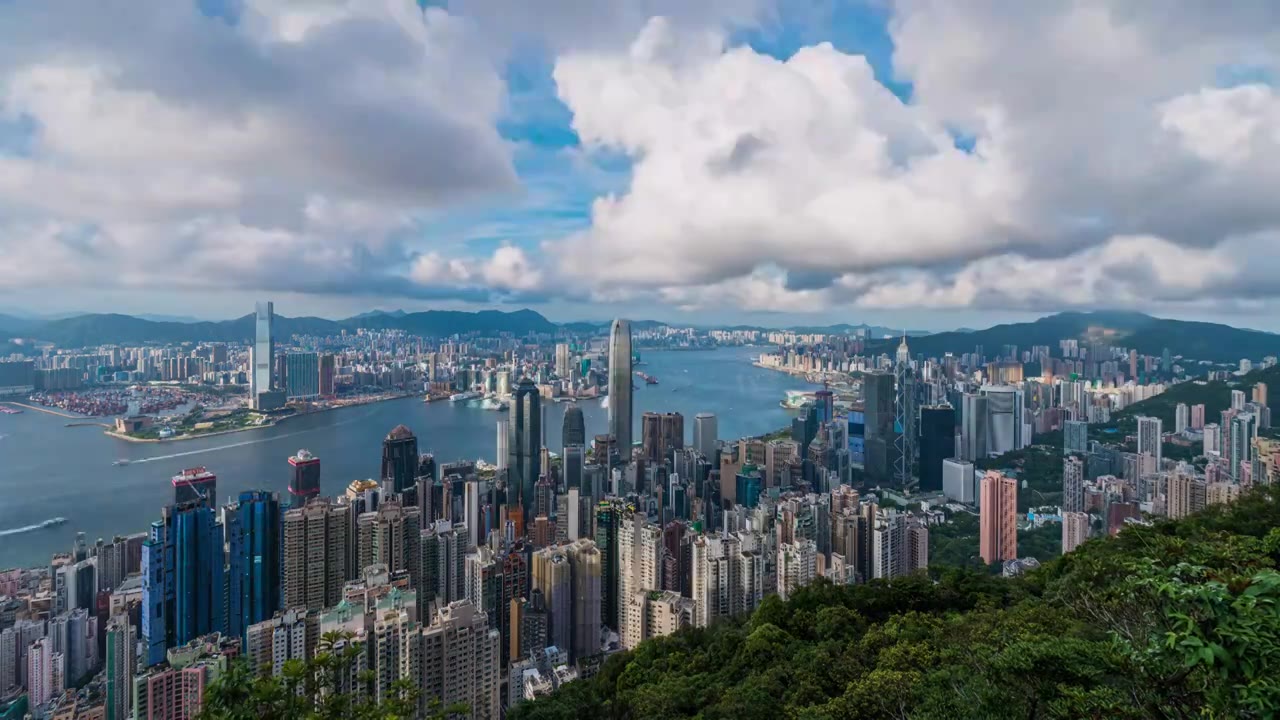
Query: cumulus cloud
point(1107, 167)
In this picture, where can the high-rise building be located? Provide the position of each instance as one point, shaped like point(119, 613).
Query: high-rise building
point(524, 464)
point(1075, 437)
point(727, 580)
point(1260, 393)
point(1004, 418)
point(442, 578)
point(640, 552)
point(263, 354)
point(878, 390)
point(328, 373)
point(8, 661)
point(620, 365)
point(1244, 428)
point(1075, 530)
point(904, 421)
point(998, 524)
point(937, 443)
point(1237, 399)
point(302, 373)
point(1197, 417)
point(1181, 417)
point(183, 579)
point(176, 689)
point(573, 430)
point(1150, 438)
point(551, 575)
point(974, 433)
point(253, 535)
point(120, 662)
point(45, 678)
point(289, 635)
point(1212, 439)
point(705, 435)
point(195, 485)
point(609, 519)
point(797, 566)
point(958, 481)
point(391, 536)
point(461, 662)
point(563, 365)
point(1072, 484)
point(585, 591)
point(314, 554)
point(304, 477)
point(661, 433)
point(400, 459)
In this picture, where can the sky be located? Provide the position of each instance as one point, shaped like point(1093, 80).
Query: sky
point(919, 163)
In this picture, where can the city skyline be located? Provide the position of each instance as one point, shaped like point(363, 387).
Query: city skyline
point(908, 179)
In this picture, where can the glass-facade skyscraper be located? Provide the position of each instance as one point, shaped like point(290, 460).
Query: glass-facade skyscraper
point(302, 374)
point(620, 413)
point(253, 553)
point(524, 436)
point(400, 459)
point(183, 577)
point(264, 350)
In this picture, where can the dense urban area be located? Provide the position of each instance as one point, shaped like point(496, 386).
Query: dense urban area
point(1067, 518)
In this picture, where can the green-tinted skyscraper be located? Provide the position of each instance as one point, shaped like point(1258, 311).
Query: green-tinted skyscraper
point(608, 520)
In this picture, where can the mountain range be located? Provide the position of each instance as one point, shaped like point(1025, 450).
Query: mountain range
point(1144, 333)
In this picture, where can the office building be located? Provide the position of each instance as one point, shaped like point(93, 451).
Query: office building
point(304, 477)
point(705, 435)
point(905, 415)
point(609, 519)
point(461, 661)
point(958, 481)
point(1072, 484)
point(183, 579)
point(974, 433)
point(937, 443)
point(573, 430)
point(524, 445)
point(1075, 437)
point(328, 374)
point(302, 375)
point(998, 512)
point(314, 554)
point(620, 367)
point(263, 353)
point(120, 661)
point(197, 485)
point(400, 459)
point(1075, 530)
point(253, 527)
point(878, 390)
point(1004, 418)
point(661, 434)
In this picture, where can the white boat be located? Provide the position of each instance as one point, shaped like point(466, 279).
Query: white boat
point(462, 396)
point(121, 461)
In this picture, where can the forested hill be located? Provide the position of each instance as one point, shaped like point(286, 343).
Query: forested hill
point(1177, 620)
point(1215, 396)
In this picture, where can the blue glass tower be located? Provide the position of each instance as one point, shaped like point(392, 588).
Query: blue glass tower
point(183, 570)
point(253, 557)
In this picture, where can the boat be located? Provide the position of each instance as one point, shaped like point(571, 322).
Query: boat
point(121, 461)
point(53, 522)
point(462, 396)
point(647, 378)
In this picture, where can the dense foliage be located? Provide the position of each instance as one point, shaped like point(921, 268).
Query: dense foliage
point(1039, 472)
point(1176, 620)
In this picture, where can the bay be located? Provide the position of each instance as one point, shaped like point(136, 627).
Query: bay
point(49, 470)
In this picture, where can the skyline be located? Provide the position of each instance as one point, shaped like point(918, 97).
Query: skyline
point(637, 158)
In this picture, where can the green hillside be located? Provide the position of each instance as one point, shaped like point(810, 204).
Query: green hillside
point(1177, 620)
point(1216, 397)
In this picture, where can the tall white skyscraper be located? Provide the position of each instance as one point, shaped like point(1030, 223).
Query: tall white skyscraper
point(264, 350)
point(1150, 434)
point(504, 428)
point(639, 569)
point(1181, 417)
point(705, 434)
point(620, 412)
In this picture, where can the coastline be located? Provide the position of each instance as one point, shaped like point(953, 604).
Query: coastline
point(278, 421)
point(46, 410)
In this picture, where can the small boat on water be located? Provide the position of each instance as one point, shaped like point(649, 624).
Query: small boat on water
point(121, 461)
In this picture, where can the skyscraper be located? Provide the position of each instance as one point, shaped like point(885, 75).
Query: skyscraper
point(461, 658)
point(197, 485)
point(937, 443)
point(620, 412)
point(1150, 432)
point(328, 371)
point(551, 575)
point(609, 517)
point(183, 579)
point(974, 433)
point(400, 459)
point(904, 415)
point(1072, 484)
point(878, 391)
point(304, 477)
point(390, 536)
point(574, 429)
point(640, 551)
point(120, 663)
point(1181, 417)
point(264, 350)
point(524, 445)
point(705, 435)
point(1075, 437)
point(314, 555)
point(253, 526)
point(661, 433)
point(1075, 530)
point(302, 373)
point(997, 521)
point(584, 566)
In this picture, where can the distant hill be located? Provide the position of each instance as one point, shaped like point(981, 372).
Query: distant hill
point(1148, 335)
point(1215, 396)
point(98, 329)
point(12, 325)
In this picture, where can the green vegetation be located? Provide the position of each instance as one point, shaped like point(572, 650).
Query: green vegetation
point(319, 689)
point(1176, 620)
point(1215, 396)
point(1039, 472)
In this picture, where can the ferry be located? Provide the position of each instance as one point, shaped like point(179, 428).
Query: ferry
point(53, 522)
point(121, 461)
point(462, 396)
